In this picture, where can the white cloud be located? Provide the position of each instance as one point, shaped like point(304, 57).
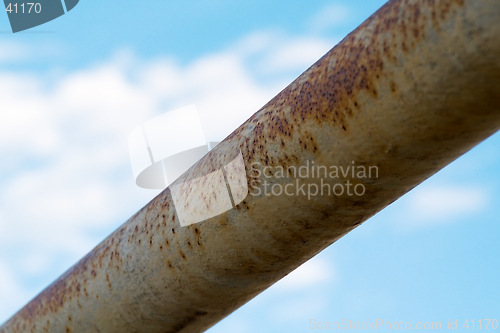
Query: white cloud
point(448, 201)
point(255, 43)
point(311, 273)
point(11, 51)
point(430, 205)
point(12, 293)
point(18, 52)
point(35, 263)
point(331, 15)
point(298, 53)
point(272, 52)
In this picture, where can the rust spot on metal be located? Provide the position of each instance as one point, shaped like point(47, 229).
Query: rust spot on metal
point(109, 282)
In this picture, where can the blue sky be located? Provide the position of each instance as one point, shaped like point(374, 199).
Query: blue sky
point(74, 88)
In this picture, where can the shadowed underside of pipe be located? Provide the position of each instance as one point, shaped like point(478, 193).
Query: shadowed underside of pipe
point(410, 90)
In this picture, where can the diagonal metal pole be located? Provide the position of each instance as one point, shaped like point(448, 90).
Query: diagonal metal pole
point(410, 90)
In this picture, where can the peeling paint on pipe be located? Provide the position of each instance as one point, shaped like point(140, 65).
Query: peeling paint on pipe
point(410, 90)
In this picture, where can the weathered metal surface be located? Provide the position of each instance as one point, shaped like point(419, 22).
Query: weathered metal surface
point(410, 90)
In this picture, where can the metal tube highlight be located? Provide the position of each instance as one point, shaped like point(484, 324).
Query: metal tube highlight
point(410, 90)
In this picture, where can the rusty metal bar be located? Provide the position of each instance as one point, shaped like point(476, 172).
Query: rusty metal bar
point(410, 90)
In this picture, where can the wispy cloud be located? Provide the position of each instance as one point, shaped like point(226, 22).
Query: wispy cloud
point(300, 53)
point(431, 205)
point(12, 51)
point(313, 272)
point(12, 294)
point(447, 202)
point(331, 15)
